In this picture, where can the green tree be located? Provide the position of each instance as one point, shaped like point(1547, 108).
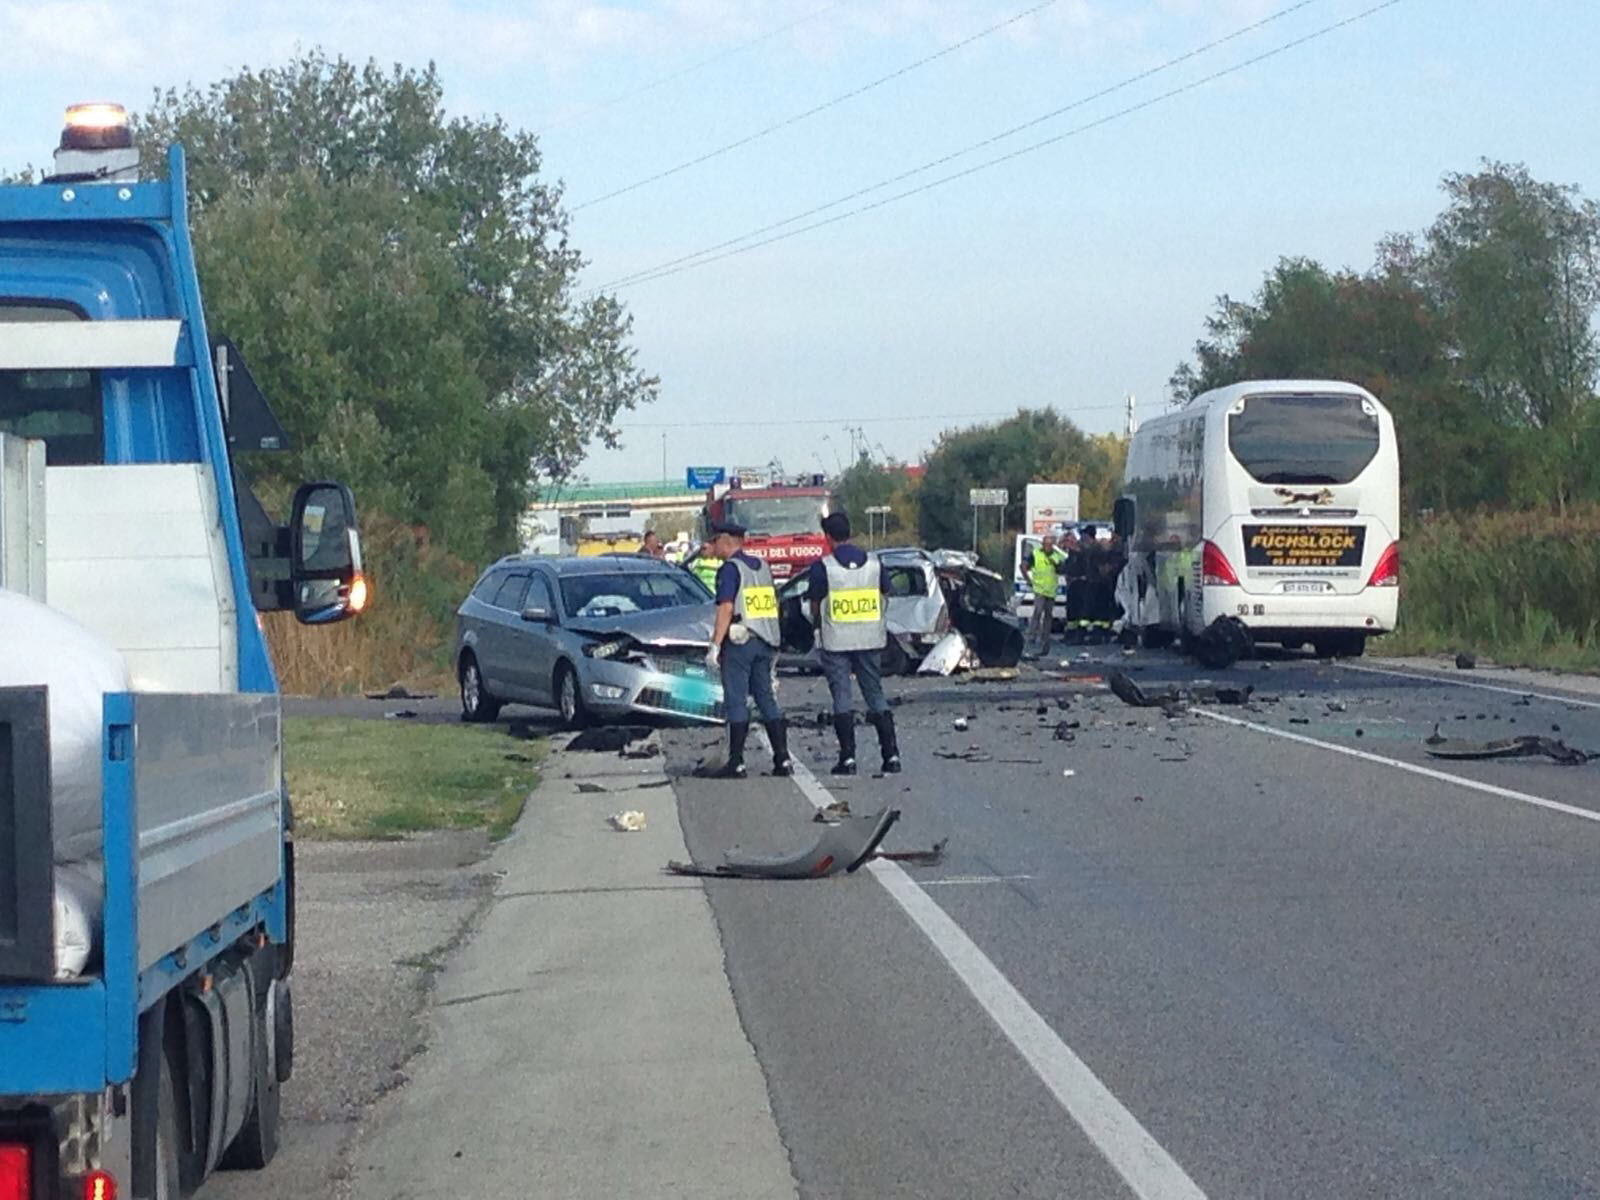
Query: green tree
point(1035, 446)
point(1479, 336)
point(403, 286)
point(868, 484)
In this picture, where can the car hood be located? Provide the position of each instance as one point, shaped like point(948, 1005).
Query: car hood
point(687, 625)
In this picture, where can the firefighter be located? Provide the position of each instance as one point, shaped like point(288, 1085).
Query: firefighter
point(744, 646)
point(846, 588)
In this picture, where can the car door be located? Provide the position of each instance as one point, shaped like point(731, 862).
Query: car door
point(537, 641)
point(497, 637)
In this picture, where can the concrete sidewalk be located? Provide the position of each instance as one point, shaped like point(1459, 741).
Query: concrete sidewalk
point(585, 1040)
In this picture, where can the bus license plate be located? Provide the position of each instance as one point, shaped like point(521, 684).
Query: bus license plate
point(1305, 586)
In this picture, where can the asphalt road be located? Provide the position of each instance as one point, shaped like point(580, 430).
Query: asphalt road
point(1261, 950)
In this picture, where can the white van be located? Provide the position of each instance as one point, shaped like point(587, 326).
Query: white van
point(1275, 502)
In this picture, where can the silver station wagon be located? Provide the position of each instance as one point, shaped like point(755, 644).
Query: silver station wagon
point(596, 637)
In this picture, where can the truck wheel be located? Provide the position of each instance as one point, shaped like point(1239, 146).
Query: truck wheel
point(569, 698)
point(157, 1157)
point(477, 705)
point(257, 1140)
point(166, 1184)
point(285, 1032)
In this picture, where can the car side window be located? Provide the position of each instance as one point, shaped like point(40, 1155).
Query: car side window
point(488, 585)
point(509, 596)
point(540, 596)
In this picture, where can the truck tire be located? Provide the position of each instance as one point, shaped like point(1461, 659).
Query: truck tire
point(285, 1034)
point(256, 1143)
point(166, 1184)
point(157, 1151)
point(477, 705)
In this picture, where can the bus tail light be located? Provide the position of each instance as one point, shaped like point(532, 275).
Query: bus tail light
point(1215, 570)
point(16, 1171)
point(1387, 572)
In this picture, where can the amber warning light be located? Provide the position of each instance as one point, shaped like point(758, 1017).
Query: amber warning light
point(97, 126)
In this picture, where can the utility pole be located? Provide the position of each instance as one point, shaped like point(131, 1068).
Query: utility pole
point(664, 456)
point(1132, 425)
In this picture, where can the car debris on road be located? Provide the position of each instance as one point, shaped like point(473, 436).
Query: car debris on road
point(631, 821)
point(844, 845)
point(1526, 746)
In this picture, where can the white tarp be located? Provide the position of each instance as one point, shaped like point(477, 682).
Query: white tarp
point(42, 647)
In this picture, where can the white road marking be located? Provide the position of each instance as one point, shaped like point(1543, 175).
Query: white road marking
point(1570, 810)
point(1471, 683)
point(1144, 1165)
point(956, 880)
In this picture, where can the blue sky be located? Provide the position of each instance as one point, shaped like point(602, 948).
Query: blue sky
point(1071, 276)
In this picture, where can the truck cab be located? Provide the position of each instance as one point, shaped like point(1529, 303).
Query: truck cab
point(783, 519)
point(155, 1056)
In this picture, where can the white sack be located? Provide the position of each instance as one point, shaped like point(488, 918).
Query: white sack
point(40, 646)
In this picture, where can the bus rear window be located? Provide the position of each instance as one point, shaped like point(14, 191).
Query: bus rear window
point(60, 407)
point(1303, 439)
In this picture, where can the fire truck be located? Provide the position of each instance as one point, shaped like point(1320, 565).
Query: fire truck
point(781, 515)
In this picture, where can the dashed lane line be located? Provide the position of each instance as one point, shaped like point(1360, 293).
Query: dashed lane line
point(1429, 677)
point(1570, 810)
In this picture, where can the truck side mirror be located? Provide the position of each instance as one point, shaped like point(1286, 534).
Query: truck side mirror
point(1123, 517)
point(325, 554)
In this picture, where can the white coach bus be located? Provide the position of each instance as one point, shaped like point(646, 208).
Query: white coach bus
point(1277, 503)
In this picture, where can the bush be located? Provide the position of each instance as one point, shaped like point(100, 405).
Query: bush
point(1517, 586)
point(406, 634)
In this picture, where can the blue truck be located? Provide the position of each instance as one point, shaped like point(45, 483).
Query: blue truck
point(123, 425)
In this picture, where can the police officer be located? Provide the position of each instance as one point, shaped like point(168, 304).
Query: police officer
point(744, 646)
point(846, 589)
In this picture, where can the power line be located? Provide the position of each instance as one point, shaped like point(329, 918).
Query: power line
point(710, 254)
point(744, 422)
point(932, 164)
point(691, 69)
point(813, 111)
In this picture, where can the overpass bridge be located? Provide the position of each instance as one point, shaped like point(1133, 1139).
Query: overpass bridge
point(619, 501)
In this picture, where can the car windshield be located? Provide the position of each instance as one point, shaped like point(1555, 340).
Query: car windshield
point(614, 595)
point(777, 514)
point(1304, 439)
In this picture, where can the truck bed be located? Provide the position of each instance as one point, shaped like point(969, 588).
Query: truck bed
point(192, 859)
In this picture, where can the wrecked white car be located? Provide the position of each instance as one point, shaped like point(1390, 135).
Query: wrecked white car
point(929, 596)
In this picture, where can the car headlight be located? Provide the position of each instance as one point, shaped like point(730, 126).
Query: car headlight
point(606, 649)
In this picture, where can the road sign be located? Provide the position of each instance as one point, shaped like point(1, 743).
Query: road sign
point(701, 478)
point(877, 510)
point(987, 497)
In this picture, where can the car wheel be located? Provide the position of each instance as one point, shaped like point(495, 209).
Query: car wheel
point(477, 705)
point(569, 698)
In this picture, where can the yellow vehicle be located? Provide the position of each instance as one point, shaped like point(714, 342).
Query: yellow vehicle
point(592, 544)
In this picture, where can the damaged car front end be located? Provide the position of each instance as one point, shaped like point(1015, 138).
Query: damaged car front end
point(650, 664)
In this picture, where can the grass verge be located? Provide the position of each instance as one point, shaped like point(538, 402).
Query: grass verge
point(1518, 588)
point(382, 779)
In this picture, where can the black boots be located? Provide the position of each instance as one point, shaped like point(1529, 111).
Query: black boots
point(738, 731)
point(844, 725)
point(888, 744)
point(778, 732)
